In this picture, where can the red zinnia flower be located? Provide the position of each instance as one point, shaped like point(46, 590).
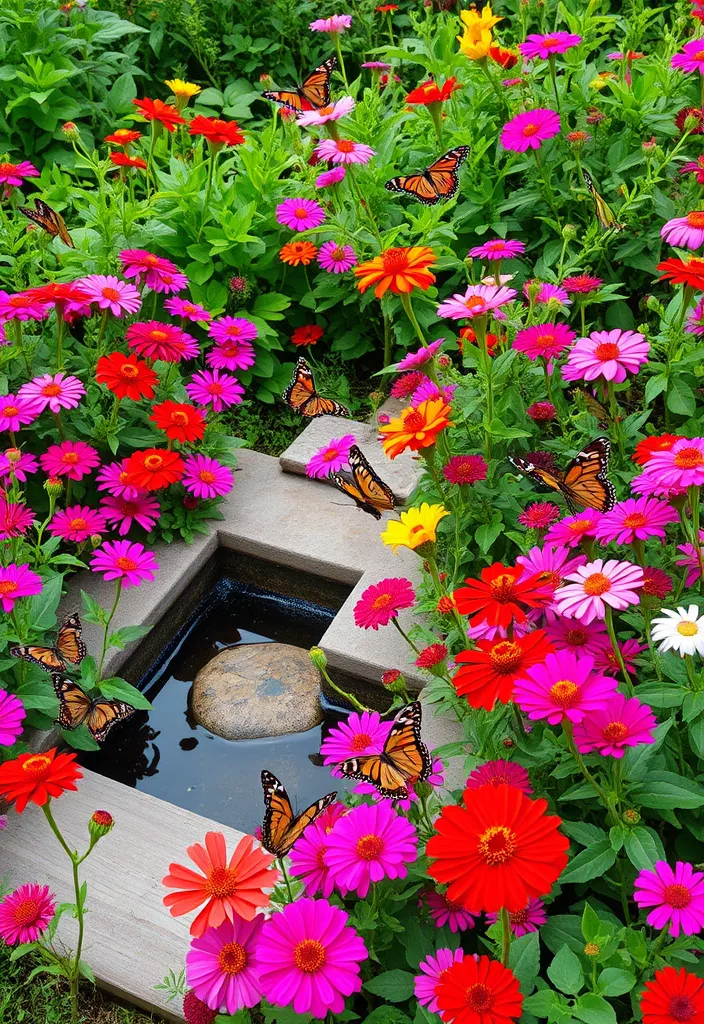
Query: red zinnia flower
point(693, 112)
point(469, 334)
point(153, 468)
point(126, 376)
point(499, 850)
point(307, 335)
point(687, 272)
point(157, 110)
point(505, 58)
point(656, 583)
point(502, 593)
point(480, 991)
point(123, 160)
point(646, 448)
point(218, 133)
point(488, 673)
point(672, 996)
point(179, 421)
point(123, 137)
point(36, 778)
point(430, 92)
point(431, 656)
point(60, 294)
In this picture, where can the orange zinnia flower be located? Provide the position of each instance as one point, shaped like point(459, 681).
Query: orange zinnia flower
point(429, 92)
point(218, 133)
point(124, 160)
point(415, 428)
point(157, 110)
point(294, 253)
point(505, 58)
point(154, 468)
point(401, 270)
point(36, 778)
point(179, 421)
point(126, 376)
point(688, 272)
point(228, 889)
point(500, 850)
point(123, 137)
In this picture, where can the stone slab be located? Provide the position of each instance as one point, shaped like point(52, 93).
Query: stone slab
point(131, 941)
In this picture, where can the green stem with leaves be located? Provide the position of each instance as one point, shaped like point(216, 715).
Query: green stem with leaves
point(106, 630)
point(74, 962)
point(408, 309)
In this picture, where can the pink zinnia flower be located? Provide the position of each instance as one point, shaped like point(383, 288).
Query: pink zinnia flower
point(606, 354)
point(581, 284)
point(377, 65)
point(308, 860)
point(568, 635)
point(500, 773)
point(154, 340)
point(478, 300)
point(691, 560)
point(651, 487)
point(26, 913)
point(12, 715)
point(205, 477)
point(428, 390)
point(553, 560)
point(529, 919)
point(415, 359)
point(17, 464)
point(161, 275)
point(498, 249)
point(624, 723)
point(570, 530)
point(332, 177)
point(596, 585)
point(124, 560)
point(635, 519)
point(215, 388)
point(682, 466)
point(333, 112)
point(406, 384)
point(17, 412)
point(336, 259)
point(539, 515)
point(685, 232)
point(546, 341)
point(309, 956)
point(77, 523)
point(606, 661)
point(433, 968)
point(344, 151)
point(187, 310)
point(548, 291)
point(15, 518)
point(17, 581)
point(543, 47)
point(358, 735)
point(23, 306)
point(331, 458)
point(112, 478)
point(73, 459)
point(370, 843)
point(55, 391)
point(530, 129)
point(231, 354)
point(108, 292)
point(677, 896)
point(299, 215)
point(14, 174)
point(336, 23)
point(444, 912)
point(232, 328)
point(563, 687)
point(541, 412)
point(142, 509)
point(222, 967)
point(465, 469)
point(695, 321)
point(381, 602)
point(691, 58)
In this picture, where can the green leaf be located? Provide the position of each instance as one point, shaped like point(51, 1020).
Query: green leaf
point(127, 635)
point(270, 306)
point(680, 397)
point(524, 960)
point(583, 832)
point(121, 94)
point(42, 608)
point(396, 986)
point(592, 1009)
point(486, 534)
point(542, 1003)
point(80, 738)
point(615, 982)
point(120, 689)
point(385, 1015)
point(590, 863)
point(591, 925)
point(643, 847)
point(283, 1014)
point(667, 790)
point(92, 611)
point(565, 972)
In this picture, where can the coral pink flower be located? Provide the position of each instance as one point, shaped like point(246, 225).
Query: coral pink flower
point(299, 215)
point(215, 388)
point(540, 515)
point(205, 477)
point(381, 602)
point(565, 686)
point(112, 478)
point(222, 968)
point(465, 469)
point(333, 112)
point(529, 919)
point(187, 310)
point(231, 354)
point(55, 391)
point(478, 300)
point(498, 249)
point(17, 581)
point(635, 519)
point(581, 284)
point(358, 735)
point(23, 306)
point(433, 967)
point(336, 259)
point(12, 715)
point(530, 129)
point(309, 957)
point(444, 912)
point(624, 723)
point(370, 843)
point(597, 585)
point(415, 359)
point(677, 896)
point(335, 24)
point(568, 635)
point(108, 292)
point(15, 518)
point(14, 174)
point(141, 509)
point(546, 341)
point(17, 464)
point(570, 530)
point(544, 47)
point(73, 459)
point(685, 232)
point(124, 560)
point(17, 412)
point(331, 458)
point(159, 274)
point(344, 151)
point(26, 913)
point(500, 773)
point(681, 466)
point(154, 340)
point(609, 355)
point(691, 58)
point(77, 523)
point(332, 177)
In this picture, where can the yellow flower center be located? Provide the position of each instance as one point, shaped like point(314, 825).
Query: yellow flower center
point(414, 421)
point(688, 458)
point(69, 458)
point(78, 524)
point(369, 847)
point(615, 732)
point(153, 462)
point(497, 845)
point(180, 418)
point(10, 410)
point(564, 693)
point(129, 371)
point(36, 767)
point(51, 390)
point(506, 657)
point(502, 588)
point(158, 335)
point(206, 476)
point(580, 524)
point(696, 219)
point(635, 520)
point(111, 293)
point(221, 883)
point(687, 628)
point(330, 455)
point(126, 564)
point(530, 129)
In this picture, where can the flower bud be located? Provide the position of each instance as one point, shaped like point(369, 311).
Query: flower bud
point(533, 290)
point(445, 605)
point(100, 824)
point(53, 486)
point(631, 816)
point(13, 455)
point(95, 540)
point(578, 139)
point(444, 361)
point(383, 418)
point(508, 743)
point(654, 305)
point(592, 950)
point(569, 232)
point(394, 681)
point(691, 122)
point(318, 657)
point(70, 130)
point(190, 502)
point(649, 144)
point(3, 821)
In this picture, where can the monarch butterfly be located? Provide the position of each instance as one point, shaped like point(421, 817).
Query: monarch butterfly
point(52, 222)
point(405, 758)
point(76, 708)
point(301, 395)
point(69, 647)
point(313, 94)
point(596, 409)
point(604, 214)
point(584, 484)
point(439, 181)
point(281, 828)
point(370, 493)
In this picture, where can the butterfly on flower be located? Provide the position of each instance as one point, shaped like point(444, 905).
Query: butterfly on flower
point(281, 827)
point(302, 397)
point(77, 708)
point(368, 490)
point(438, 181)
point(312, 94)
point(405, 759)
point(584, 484)
point(69, 648)
point(52, 222)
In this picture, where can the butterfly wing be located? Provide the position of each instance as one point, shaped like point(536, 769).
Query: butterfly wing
point(47, 658)
point(553, 480)
point(604, 214)
point(69, 643)
point(289, 100)
point(372, 488)
point(443, 173)
point(352, 491)
point(280, 828)
point(301, 395)
point(596, 409)
point(74, 704)
point(586, 483)
point(52, 222)
point(405, 758)
point(104, 714)
point(316, 88)
point(416, 185)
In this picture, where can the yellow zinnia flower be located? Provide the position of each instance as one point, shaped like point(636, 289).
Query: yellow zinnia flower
point(476, 23)
point(477, 39)
point(417, 527)
point(182, 91)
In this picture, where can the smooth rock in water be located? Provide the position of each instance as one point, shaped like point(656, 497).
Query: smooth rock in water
point(258, 690)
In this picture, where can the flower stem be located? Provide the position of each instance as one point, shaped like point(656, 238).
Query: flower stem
point(506, 936)
point(60, 325)
point(408, 309)
point(74, 963)
point(480, 331)
point(284, 874)
point(118, 592)
point(405, 635)
point(615, 647)
point(350, 697)
point(613, 412)
point(604, 800)
point(208, 190)
point(338, 49)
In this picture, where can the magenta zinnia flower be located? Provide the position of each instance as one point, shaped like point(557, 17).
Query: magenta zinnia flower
point(333, 112)
point(335, 23)
point(529, 919)
point(568, 635)
point(17, 581)
point(143, 510)
point(222, 968)
point(581, 284)
point(231, 354)
point(187, 310)
point(433, 968)
point(73, 459)
point(548, 291)
point(12, 714)
point(300, 214)
point(606, 354)
point(570, 530)
point(14, 174)
point(500, 773)
point(677, 896)
point(563, 687)
point(336, 259)
point(415, 359)
point(112, 478)
point(539, 515)
point(55, 391)
point(206, 477)
point(23, 306)
point(26, 913)
point(161, 275)
point(154, 340)
point(553, 560)
point(691, 58)
point(530, 129)
point(124, 560)
point(544, 340)
point(444, 912)
point(543, 47)
point(694, 323)
point(332, 177)
point(370, 843)
point(215, 388)
point(381, 602)
point(606, 661)
point(465, 469)
point(682, 466)
point(685, 232)
point(478, 300)
point(635, 519)
point(17, 412)
point(15, 518)
point(690, 560)
point(308, 859)
point(17, 464)
point(77, 523)
point(498, 249)
point(596, 585)
point(309, 956)
point(359, 734)
point(624, 723)
point(331, 458)
point(344, 151)
point(108, 292)
point(428, 390)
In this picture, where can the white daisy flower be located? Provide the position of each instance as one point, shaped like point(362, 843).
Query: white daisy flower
point(681, 631)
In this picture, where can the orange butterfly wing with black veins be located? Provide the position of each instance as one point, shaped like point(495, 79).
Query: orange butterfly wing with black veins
point(404, 759)
point(302, 397)
point(76, 708)
point(281, 828)
point(585, 483)
point(368, 490)
point(438, 181)
point(52, 222)
point(416, 185)
point(313, 94)
point(69, 648)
